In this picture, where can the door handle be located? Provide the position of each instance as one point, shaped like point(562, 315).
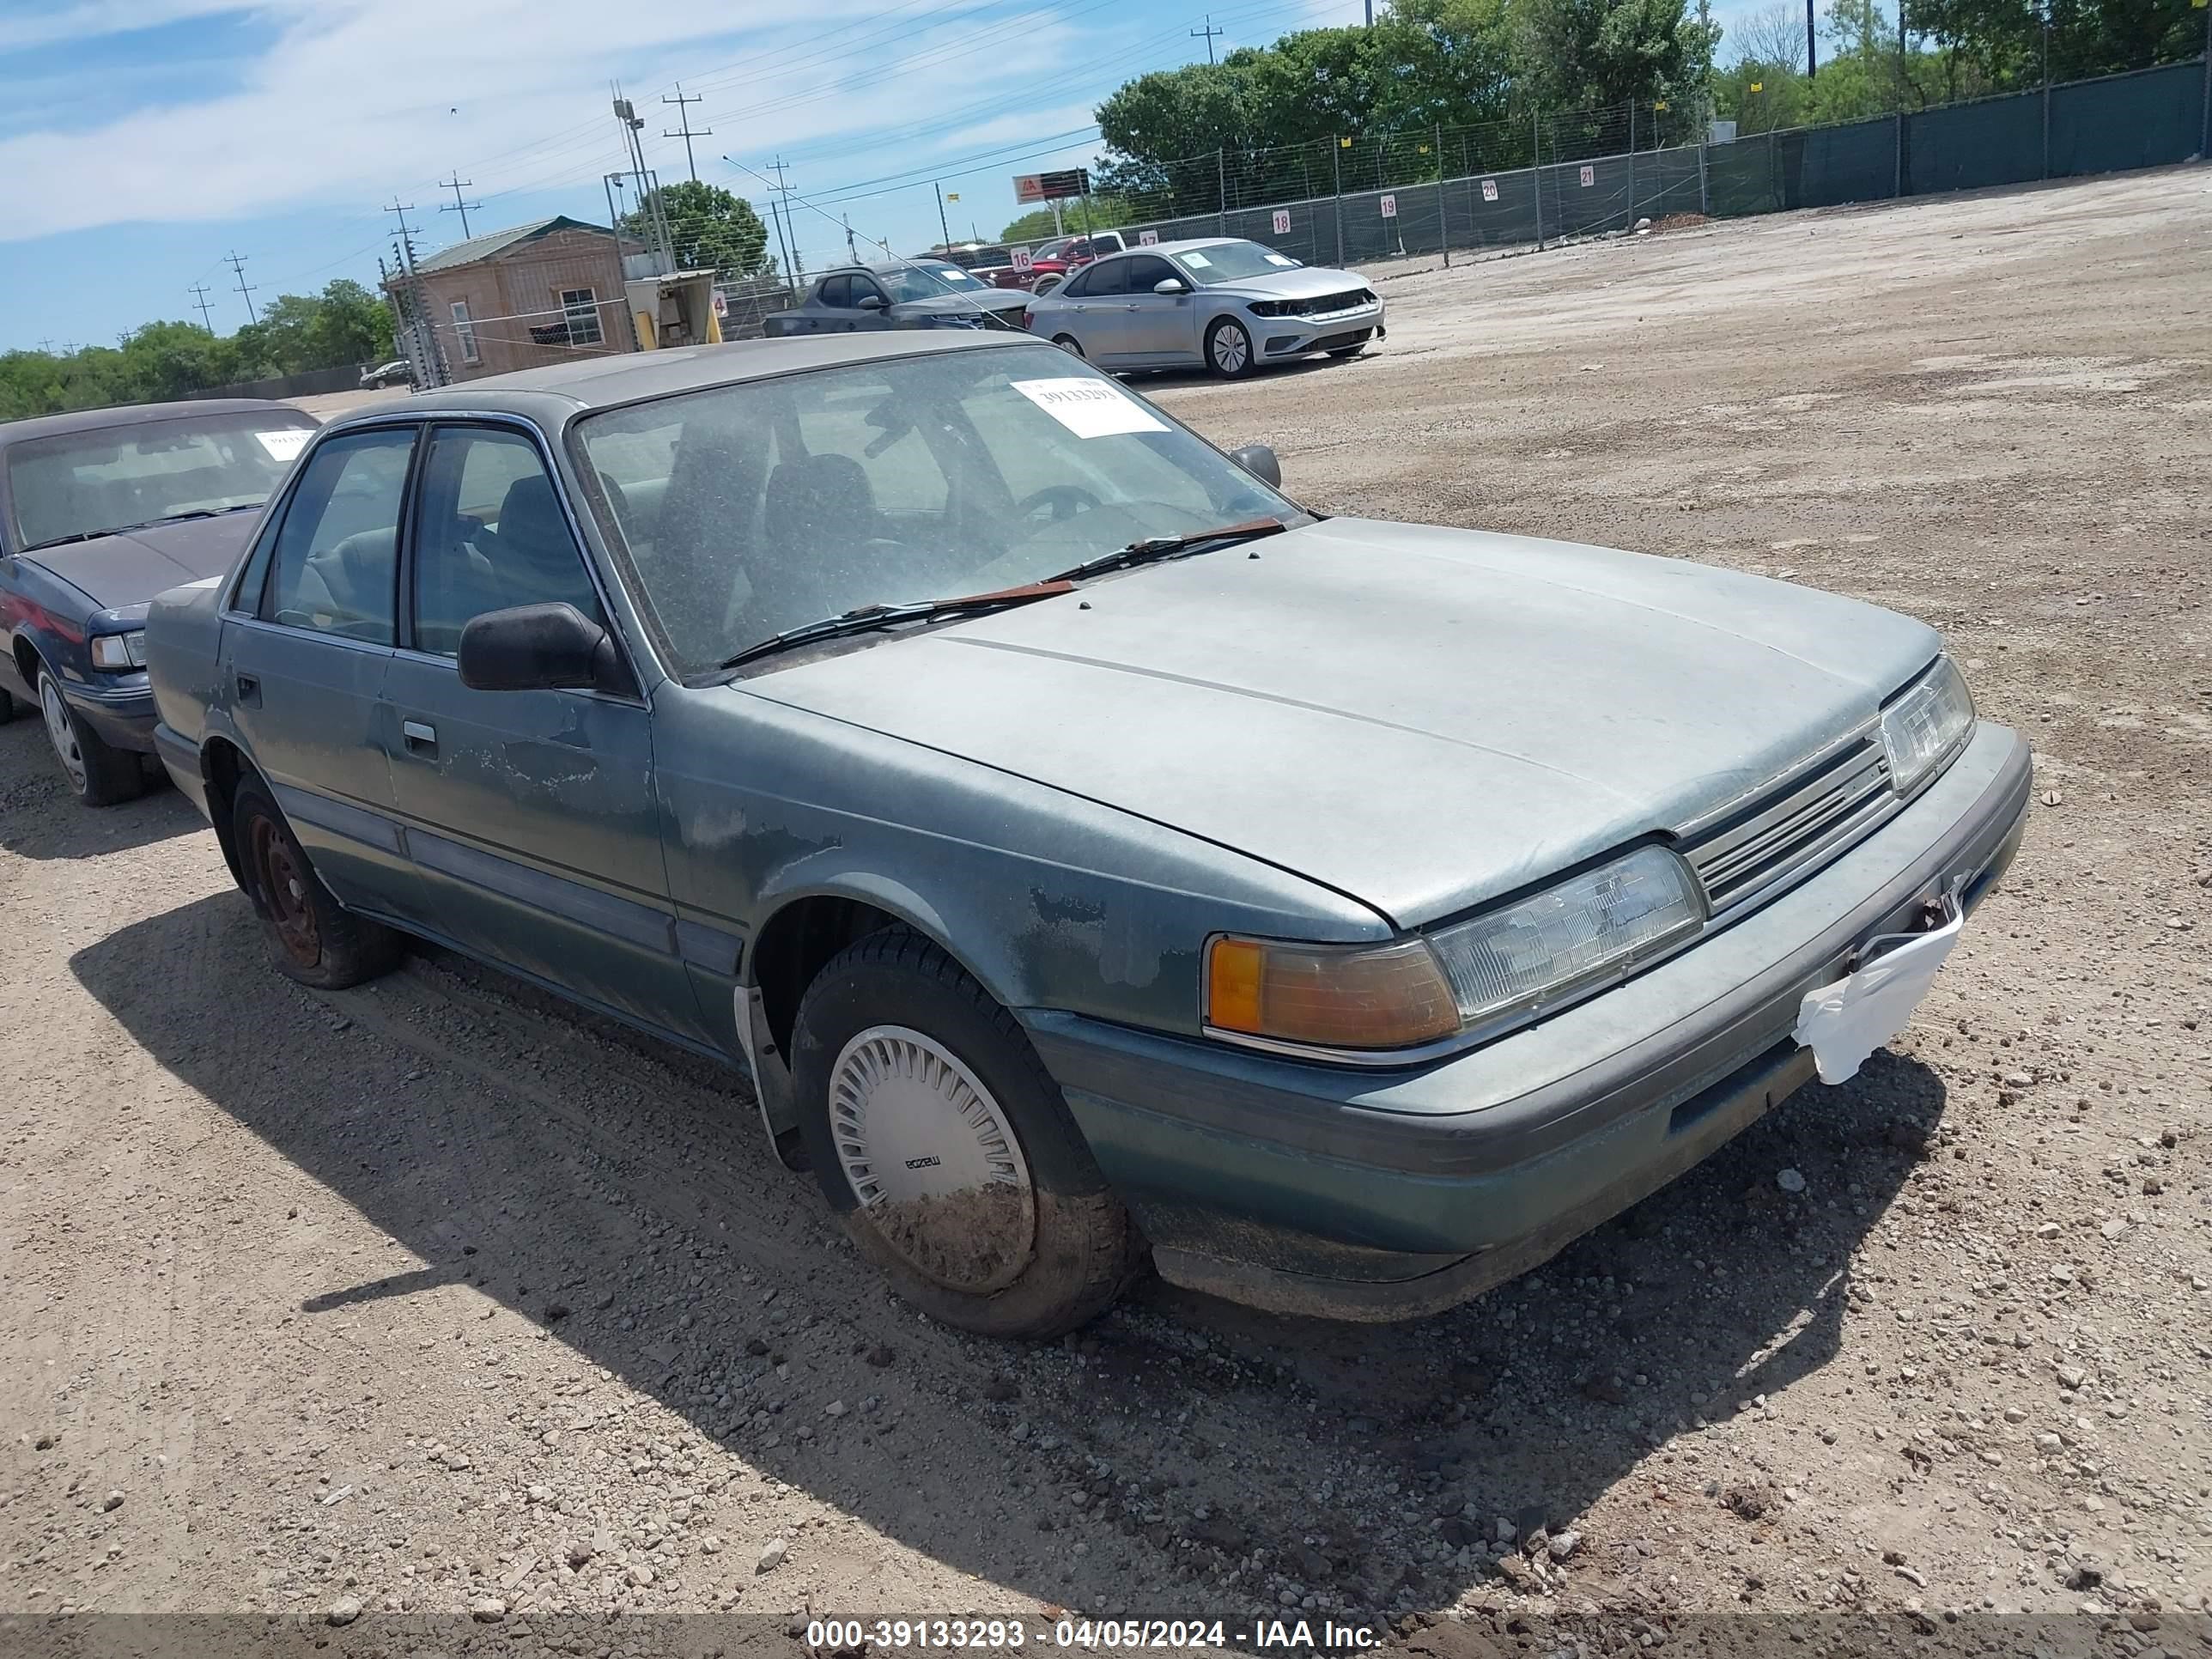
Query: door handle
point(418, 736)
point(249, 687)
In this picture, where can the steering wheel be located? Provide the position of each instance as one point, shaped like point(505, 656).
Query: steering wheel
point(1065, 499)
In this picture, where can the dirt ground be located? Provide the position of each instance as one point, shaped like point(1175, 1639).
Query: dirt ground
point(432, 1296)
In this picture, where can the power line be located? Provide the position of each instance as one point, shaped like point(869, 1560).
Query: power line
point(245, 293)
point(684, 130)
point(199, 293)
point(457, 185)
point(1210, 34)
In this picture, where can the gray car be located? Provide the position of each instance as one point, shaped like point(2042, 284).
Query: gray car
point(1224, 304)
point(1092, 856)
point(898, 293)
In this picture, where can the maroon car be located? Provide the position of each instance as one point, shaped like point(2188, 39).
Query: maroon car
point(1050, 263)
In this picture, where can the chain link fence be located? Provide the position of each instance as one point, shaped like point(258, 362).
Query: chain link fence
point(1359, 198)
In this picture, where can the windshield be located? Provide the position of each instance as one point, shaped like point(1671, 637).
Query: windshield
point(80, 483)
point(1232, 262)
point(929, 279)
point(745, 510)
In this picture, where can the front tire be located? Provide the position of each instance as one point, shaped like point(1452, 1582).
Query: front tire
point(1228, 349)
point(99, 773)
point(946, 1150)
point(311, 938)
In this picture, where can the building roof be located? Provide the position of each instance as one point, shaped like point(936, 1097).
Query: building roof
point(498, 241)
point(550, 395)
point(92, 420)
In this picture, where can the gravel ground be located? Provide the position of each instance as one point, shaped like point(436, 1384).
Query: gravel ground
point(435, 1300)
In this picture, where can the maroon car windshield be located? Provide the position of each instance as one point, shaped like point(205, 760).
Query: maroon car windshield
point(79, 484)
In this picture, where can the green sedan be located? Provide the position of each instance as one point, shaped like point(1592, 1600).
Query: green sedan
point(1094, 859)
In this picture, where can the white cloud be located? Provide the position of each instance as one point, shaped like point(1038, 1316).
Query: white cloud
point(358, 97)
point(95, 19)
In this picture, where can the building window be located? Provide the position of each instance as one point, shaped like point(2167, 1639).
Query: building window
point(464, 332)
point(580, 306)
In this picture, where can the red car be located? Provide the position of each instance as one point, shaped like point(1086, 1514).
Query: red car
point(1051, 262)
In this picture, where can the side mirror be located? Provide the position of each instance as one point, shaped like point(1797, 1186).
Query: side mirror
point(1171, 285)
point(539, 648)
point(1257, 459)
point(869, 302)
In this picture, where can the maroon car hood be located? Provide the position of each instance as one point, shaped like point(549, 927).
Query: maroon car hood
point(132, 566)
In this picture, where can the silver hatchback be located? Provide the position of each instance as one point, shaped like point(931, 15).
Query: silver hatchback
point(1221, 303)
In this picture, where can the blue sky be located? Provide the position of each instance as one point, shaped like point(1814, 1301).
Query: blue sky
point(143, 141)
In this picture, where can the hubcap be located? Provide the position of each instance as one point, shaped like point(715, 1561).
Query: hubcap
point(932, 1159)
point(284, 890)
point(1231, 348)
point(61, 731)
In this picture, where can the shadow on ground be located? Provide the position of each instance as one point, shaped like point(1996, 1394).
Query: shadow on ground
point(508, 1141)
point(39, 818)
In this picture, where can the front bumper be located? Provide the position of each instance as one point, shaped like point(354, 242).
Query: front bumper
point(120, 711)
point(1310, 1188)
point(1300, 337)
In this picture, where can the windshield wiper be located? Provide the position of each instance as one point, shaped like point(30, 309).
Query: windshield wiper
point(145, 523)
point(1161, 547)
point(867, 617)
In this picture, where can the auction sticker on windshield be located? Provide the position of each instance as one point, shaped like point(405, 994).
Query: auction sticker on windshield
point(1089, 408)
point(285, 442)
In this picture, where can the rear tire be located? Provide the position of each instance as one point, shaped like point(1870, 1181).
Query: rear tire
point(313, 938)
point(1068, 344)
point(1228, 349)
point(8, 707)
point(99, 774)
point(946, 1150)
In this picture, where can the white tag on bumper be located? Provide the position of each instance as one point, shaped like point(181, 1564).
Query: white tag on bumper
point(1844, 1022)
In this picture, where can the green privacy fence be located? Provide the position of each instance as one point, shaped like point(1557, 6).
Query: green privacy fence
point(2149, 117)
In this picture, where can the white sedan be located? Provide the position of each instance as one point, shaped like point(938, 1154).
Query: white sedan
point(1224, 304)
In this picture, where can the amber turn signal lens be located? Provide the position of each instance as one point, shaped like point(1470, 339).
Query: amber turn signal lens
point(1389, 996)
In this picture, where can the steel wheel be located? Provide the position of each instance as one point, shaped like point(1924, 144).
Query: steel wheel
point(61, 732)
point(1068, 344)
point(932, 1159)
point(284, 885)
point(1228, 349)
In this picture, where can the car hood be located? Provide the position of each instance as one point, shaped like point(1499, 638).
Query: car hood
point(1421, 719)
point(990, 299)
point(132, 566)
point(1306, 283)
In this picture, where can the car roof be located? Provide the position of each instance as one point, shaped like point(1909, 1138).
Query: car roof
point(1184, 247)
point(548, 396)
point(95, 420)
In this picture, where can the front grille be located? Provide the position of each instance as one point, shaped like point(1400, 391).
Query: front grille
point(1791, 829)
point(1320, 305)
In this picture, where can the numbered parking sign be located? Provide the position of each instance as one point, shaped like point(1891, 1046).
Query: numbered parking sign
point(1282, 222)
point(1389, 207)
point(1148, 238)
point(1490, 190)
point(1022, 259)
point(1589, 177)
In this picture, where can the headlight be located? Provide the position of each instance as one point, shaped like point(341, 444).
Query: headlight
point(1522, 955)
point(1922, 728)
point(119, 651)
point(1387, 996)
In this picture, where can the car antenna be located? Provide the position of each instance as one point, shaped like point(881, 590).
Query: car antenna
point(846, 230)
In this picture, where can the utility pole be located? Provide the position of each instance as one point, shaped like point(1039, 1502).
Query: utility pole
point(684, 130)
point(1210, 34)
point(424, 330)
point(457, 185)
point(199, 298)
point(851, 251)
point(942, 229)
point(790, 226)
point(1812, 50)
point(245, 293)
point(648, 195)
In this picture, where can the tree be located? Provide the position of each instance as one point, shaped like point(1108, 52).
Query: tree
point(1772, 37)
point(708, 226)
point(1105, 211)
